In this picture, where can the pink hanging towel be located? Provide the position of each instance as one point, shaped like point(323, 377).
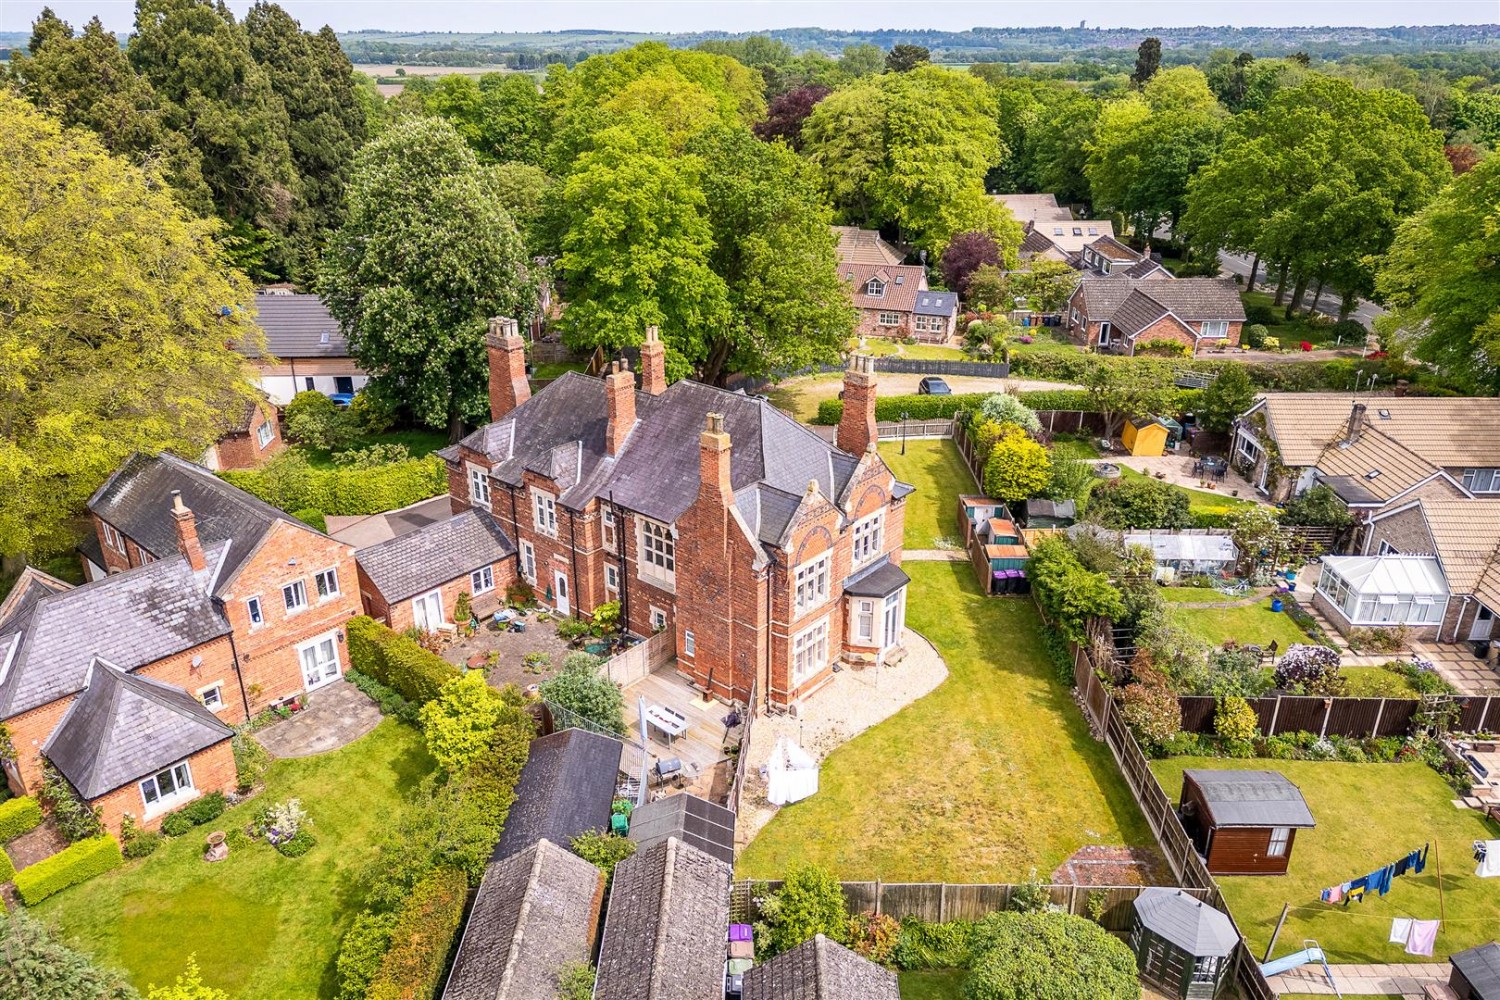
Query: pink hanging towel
point(1423, 936)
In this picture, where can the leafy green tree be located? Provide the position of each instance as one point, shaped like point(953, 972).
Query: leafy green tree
point(189, 986)
point(1225, 398)
point(1049, 956)
point(312, 419)
point(1018, 468)
point(905, 58)
point(603, 850)
point(1060, 143)
point(1181, 88)
point(1116, 392)
point(1317, 506)
point(786, 113)
point(1139, 504)
point(101, 354)
point(810, 902)
point(1005, 408)
point(861, 60)
point(426, 254)
point(37, 966)
point(1439, 276)
point(1147, 61)
point(522, 190)
point(1071, 594)
point(1047, 284)
point(579, 687)
point(460, 723)
point(499, 115)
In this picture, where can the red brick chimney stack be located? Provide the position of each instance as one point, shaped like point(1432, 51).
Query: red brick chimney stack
point(653, 363)
point(857, 426)
point(713, 462)
point(507, 354)
point(619, 391)
point(187, 533)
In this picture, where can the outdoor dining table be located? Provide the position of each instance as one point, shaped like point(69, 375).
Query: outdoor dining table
point(672, 723)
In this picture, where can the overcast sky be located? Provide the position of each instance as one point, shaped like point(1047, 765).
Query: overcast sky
point(751, 15)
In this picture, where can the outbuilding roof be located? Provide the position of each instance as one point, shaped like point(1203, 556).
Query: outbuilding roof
point(1480, 965)
point(820, 969)
point(433, 555)
point(298, 326)
point(566, 788)
point(1034, 207)
point(1251, 798)
point(1189, 923)
point(694, 821)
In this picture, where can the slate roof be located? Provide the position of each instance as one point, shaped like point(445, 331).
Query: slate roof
point(1189, 923)
point(1251, 798)
point(31, 586)
point(865, 246)
point(1451, 432)
point(124, 727)
point(820, 969)
point(1034, 243)
point(137, 500)
point(535, 912)
point(1146, 268)
point(1480, 965)
point(129, 619)
point(298, 326)
point(877, 580)
point(420, 560)
point(902, 283)
point(767, 511)
point(694, 821)
point(666, 928)
point(936, 304)
point(1033, 207)
point(1191, 299)
point(566, 788)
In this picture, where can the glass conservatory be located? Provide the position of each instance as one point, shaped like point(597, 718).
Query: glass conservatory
point(1385, 590)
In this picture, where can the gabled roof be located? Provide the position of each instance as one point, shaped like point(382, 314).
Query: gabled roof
point(298, 326)
point(1189, 923)
point(433, 555)
point(1112, 249)
point(1071, 236)
point(1251, 798)
point(129, 619)
point(1033, 243)
point(1451, 432)
point(692, 820)
point(31, 586)
point(1146, 268)
point(666, 928)
point(865, 246)
point(1374, 465)
point(137, 500)
point(566, 788)
point(1033, 207)
point(902, 283)
point(1192, 300)
point(820, 969)
point(535, 912)
point(124, 727)
point(936, 304)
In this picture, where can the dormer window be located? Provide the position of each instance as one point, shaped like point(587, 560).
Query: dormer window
point(875, 287)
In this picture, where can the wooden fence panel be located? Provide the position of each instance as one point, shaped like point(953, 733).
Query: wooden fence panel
point(1297, 715)
point(1356, 717)
point(862, 897)
point(637, 662)
point(1071, 422)
point(1198, 713)
point(1477, 715)
point(1401, 714)
point(971, 902)
point(912, 899)
point(914, 366)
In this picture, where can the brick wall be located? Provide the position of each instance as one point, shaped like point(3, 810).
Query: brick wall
point(212, 770)
point(242, 450)
point(1406, 532)
point(115, 561)
point(869, 324)
point(1166, 328)
point(400, 617)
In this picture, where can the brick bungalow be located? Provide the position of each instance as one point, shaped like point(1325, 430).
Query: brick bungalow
point(894, 301)
point(769, 553)
point(413, 580)
point(1119, 314)
point(254, 437)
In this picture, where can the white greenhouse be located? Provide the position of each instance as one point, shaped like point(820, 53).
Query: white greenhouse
point(1385, 590)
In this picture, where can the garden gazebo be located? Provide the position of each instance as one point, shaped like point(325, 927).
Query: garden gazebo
point(1182, 945)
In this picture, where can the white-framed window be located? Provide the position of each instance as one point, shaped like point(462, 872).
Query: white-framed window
point(212, 696)
point(253, 608)
point(607, 522)
point(1387, 549)
point(1074, 317)
point(689, 643)
point(544, 512)
point(528, 562)
point(147, 557)
point(164, 788)
point(1482, 480)
point(875, 287)
point(864, 621)
point(482, 581)
point(1215, 328)
point(612, 582)
point(1248, 449)
point(294, 596)
point(809, 652)
point(889, 319)
point(264, 433)
point(869, 533)
point(1280, 836)
point(658, 619)
point(327, 582)
point(479, 487)
point(658, 551)
point(812, 583)
point(113, 538)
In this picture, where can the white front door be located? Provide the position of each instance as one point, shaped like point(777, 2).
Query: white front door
point(1104, 333)
point(427, 611)
point(1484, 624)
point(320, 661)
point(560, 593)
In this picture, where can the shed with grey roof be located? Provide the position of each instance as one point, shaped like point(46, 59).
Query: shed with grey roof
point(1182, 945)
point(433, 555)
point(535, 912)
point(566, 788)
point(820, 969)
point(1243, 822)
point(1476, 973)
point(695, 821)
point(667, 926)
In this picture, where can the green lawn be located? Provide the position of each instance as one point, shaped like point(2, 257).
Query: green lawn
point(1376, 682)
point(941, 984)
point(556, 369)
point(1255, 624)
point(261, 925)
point(933, 352)
point(1367, 815)
point(800, 397)
point(1045, 339)
point(1074, 446)
point(1191, 595)
point(1291, 332)
point(939, 474)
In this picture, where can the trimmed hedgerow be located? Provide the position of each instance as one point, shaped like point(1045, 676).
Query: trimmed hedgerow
point(7, 867)
point(421, 936)
point(18, 816)
point(890, 408)
point(290, 483)
point(77, 863)
point(396, 661)
point(313, 518)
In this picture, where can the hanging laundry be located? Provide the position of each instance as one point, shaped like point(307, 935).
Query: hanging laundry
point(1423, 935)
point(1421, 861)
point(1334, 894)
point(1355, 893)
point(1401, 867)
point(1400, 930)
point(1489, 864)
point(1379, 880)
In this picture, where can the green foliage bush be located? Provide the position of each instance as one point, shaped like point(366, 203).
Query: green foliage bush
point(361, 952)
point(1068, 592)
point(1164, 348)
point(1065, 400)
point(396, 661)
point(17, 816)
point(603, 850)
point(1151, 710)
point(38, 967)
point(1259, 315)
point(389, 701)
point(459, 725)
point(205, 809)
point(75, 818)
point(923, 945)
point(1139, 503)
point(251, 761)
point(1049, 956)
point(175, 824)
point(579, 687)
point(1349, 331)
point(300, 843)
point(420, 937)
point(1254, 336)
point(1017, 467)
point(7, 868)
point(1318, 506)
point(575, 981)
point(313, 518)
point(915, 407)
point(810, 902)
point(74, 864)
point(290, 483)
point(311, 418)
point(136, 842)
point(1234, 719)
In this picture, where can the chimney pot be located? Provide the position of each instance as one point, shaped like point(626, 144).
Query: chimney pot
point(857, 431)
point(714, 461)
point(186, 526)
point(509, 387)
point(653, 363)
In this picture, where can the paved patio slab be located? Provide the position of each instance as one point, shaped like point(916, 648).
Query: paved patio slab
point(336, 715)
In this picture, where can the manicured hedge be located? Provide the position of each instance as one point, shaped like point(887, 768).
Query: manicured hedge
point(18, 816)
point(396, 661)
point(1280, 376)
point(77, 863)
point(942, 407)
point(293, 485)
point(421, 936)
point(313, 518)
point(7, 867)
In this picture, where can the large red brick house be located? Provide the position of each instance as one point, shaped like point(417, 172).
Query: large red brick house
point(1119, 314)
point(770, 554)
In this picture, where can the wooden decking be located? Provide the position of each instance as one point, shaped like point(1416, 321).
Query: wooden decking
point(701, 747)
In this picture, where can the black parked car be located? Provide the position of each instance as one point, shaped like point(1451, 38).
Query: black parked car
point(933, 386)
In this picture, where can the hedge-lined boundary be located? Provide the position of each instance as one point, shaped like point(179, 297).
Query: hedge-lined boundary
point(421, 936)
point(890, 408)
point(18, 816)
point(1279, 376)
point(295, 486)
point(396, 661)
point(7, 867)
point(78, 863)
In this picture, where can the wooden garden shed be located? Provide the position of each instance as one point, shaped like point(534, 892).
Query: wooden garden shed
point(1150, 436)
point(1243, 822)
point(1182, 945)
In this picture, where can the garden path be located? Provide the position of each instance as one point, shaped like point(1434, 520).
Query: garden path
point(936, 555)
point(1362, 980)
point(335, 716)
